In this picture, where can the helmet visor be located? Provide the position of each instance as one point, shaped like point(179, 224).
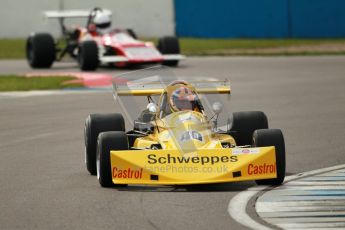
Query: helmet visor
point(183, 104)
point(103, 25)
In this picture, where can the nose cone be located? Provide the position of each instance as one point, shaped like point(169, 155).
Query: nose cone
point(187, 131)
point(188, 136)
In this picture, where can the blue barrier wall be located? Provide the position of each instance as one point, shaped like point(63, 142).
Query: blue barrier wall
point(260, 18)
point(317, 18)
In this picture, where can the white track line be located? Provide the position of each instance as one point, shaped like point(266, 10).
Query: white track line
point(238, 204)
point(237, 209)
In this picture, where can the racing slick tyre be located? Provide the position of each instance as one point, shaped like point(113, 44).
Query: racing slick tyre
point(107, 141)
point(40, 50)
point(132, 33)
point(169, 45)
point(272, 137)
point(245, 123)
point(88, 55)
point(94, 125)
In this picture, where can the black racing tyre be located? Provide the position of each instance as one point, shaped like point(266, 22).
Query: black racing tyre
point(40, 50)
point(108, 141)
point(94, 125)
point(132, 33)
point(88, 55)
point(169, 45)
point(272, 137)
point(245, 123)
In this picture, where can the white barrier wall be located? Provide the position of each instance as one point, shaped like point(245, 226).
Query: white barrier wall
point(148, 18)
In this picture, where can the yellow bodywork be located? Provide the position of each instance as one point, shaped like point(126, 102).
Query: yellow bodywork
point(191, 161)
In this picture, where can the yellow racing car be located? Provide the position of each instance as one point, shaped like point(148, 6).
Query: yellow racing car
point(178, 133)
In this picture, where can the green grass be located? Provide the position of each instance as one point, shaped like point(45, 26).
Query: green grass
point(12, 48)
point(226, 47)
point(15, 48)
point(21, 83)
point(192, 46)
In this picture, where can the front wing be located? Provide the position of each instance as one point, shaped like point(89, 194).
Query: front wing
point(166, 57)
point(170, 167)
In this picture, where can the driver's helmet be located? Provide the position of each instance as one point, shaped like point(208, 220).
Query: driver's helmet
point(102, 21)
point(182, 97)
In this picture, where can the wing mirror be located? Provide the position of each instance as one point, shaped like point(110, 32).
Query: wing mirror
point(217, 107)
point(152, 107)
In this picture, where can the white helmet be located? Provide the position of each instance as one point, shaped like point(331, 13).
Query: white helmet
point(102, 19)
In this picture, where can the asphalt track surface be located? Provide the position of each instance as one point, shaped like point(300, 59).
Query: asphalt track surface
point(44, 183)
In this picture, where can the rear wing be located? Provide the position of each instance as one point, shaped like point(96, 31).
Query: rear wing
point(67, 14)
point(135, 88)
point(62, 14)
point(72, 13)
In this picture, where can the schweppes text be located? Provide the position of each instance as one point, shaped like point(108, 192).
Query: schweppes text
point(168, 159)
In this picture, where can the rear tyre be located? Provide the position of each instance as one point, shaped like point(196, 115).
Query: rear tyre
point(245, 123)
point(272, 137)
point(169, 45)
point(40, 50)
point(94, 125)
point(108, 141)
point(88, 55)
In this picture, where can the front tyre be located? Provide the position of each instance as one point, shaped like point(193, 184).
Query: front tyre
point(88, 55)
point(272, 137)
point(106, 142)
point(169, 45)
point(94, 125)
point(245, 123)
point(40, 50)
